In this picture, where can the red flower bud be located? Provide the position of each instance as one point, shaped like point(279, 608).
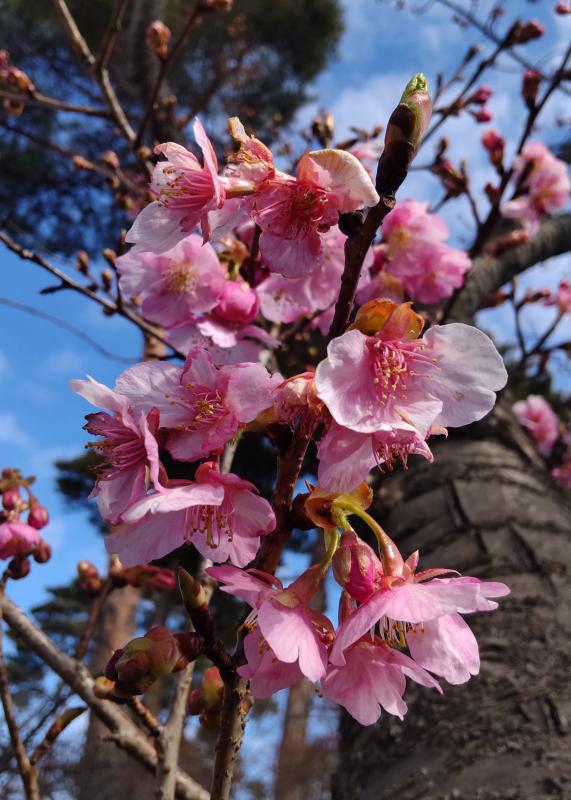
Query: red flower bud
point(521, 33)
point(38, 517)
point(11, 498)
point(530, 87)
point(481, 96)
point(18, 568)
point(483, 115)
point(42, 553)
point(142, 661)
point(563, 8)
point(157, 38)
point(495, 145)
point(356, 567)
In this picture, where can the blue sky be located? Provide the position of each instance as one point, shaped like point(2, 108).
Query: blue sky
point(41, 419)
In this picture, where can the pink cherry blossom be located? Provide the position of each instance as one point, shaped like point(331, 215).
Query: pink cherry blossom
point(186, 193)
point(17, 538)
point(407, 602)
point(292, 629)
point(238, 303)
point(540, 421)
point(392, 380)
point(346, 456)
point(293, 213)
point(220, 514)
point(225, 344)
point(266, 673)
point(186, 280)
point(128, 448)
point(545, 182)
point(288, 299)
point(407, 231)
point(439, 272)
point(373, 678)
point(201, 405)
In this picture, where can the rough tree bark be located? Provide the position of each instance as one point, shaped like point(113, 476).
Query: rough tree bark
point(488, 508)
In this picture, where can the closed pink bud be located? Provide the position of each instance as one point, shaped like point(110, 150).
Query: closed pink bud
point(522, 33)
point(143, 660)
point(11, 498)
point(563, 8)
point(530, 87)
point(157, 38)
point(18, 568)
point(356, 567)
point(42, 553)
point(238, 304)
point(19, 80)
point(481, 96)
point(483, 115)
point(494, 144)
point(38, 517)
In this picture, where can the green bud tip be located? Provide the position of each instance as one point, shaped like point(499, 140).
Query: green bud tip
point(417, 83)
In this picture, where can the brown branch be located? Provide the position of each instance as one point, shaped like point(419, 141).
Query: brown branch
point(168, 741)
point(110, 36)
point(476, 23)
point(164, 68)
point(54, 731)
point(488, 274)
point(123, 730)
point(145, 715)
point(26, 769)
point(38, 99)
point(99, 70)
point(66, 282)
point(235, 705)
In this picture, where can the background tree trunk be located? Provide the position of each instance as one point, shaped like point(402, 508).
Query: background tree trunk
point(487, 507)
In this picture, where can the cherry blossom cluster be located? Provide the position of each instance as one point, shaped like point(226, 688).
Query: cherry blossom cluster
point(270, 243)
point(536, 415)
point(19, 538)
point(271, 248)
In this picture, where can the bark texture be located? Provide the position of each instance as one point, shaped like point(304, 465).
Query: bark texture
point(488, 508)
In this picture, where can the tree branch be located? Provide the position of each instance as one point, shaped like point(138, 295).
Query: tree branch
point(488, 274)
point(25, 768)
point(111, 33)
point(123, 730)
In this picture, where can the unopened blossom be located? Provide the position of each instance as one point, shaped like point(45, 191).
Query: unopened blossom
point(184, 281)
point(294, 632)
point(544, 182)
point(561, 298)
point(202, 406)
point(481, 96)
point(541, 422)
point(238, 304)
point(289, 299)
point(157, 37)
point(356, 566)
point(293, 213)
point(186, 192)
point(421, 610)
point(373, 678)
point(381, 376)
point(219, 513)
point(494, 144)
point(483, 115)
point(127, 448)
point(17, 538)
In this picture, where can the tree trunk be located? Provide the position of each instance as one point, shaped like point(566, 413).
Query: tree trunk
point(488, 508)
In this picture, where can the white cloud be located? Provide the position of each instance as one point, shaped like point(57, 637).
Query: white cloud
point(11, 433)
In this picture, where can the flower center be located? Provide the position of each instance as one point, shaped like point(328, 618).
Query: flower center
point(394, 632)
point(181, 278)
point(215, 522)
point(202, 407)
point(120, 448)
point(393, 366)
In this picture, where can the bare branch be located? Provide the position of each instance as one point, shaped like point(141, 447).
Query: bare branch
point(111, 33)
point(488, 274)
point(25, 767)
point(69, 283)
point(123, 730)
point(54, 731)
point(38, 99)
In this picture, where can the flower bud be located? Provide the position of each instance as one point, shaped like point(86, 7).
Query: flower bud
point(403, 137)
point(563, 8)
point(238, 304)
point(217, 6)
point(195, 603)
point(87, 570)
point(212, 688)
point(110, 159)
point(504, 243)
point(42, 552)
point(19, 80)
point(103, 687)
point(521, 33)
point(483, 115)
point(493, 193)
point(18, 568)
point(38, 517)
point(135, 667)
point(157, 37)
point(452, 180)
point(389, 320)
point(481, 96)
point(530, 87)
point(323, 127)
point(356, 567)
point(11, 498)
point(495, 145)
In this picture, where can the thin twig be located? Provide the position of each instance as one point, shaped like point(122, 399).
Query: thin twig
point(38, 99)
point(27, 771)
point(193, 15)
point(110, 36)
point(124, 732)
point(54, 731)
point(94, 612)
point(38, 314)
point(169, 740)
point(69, 283)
